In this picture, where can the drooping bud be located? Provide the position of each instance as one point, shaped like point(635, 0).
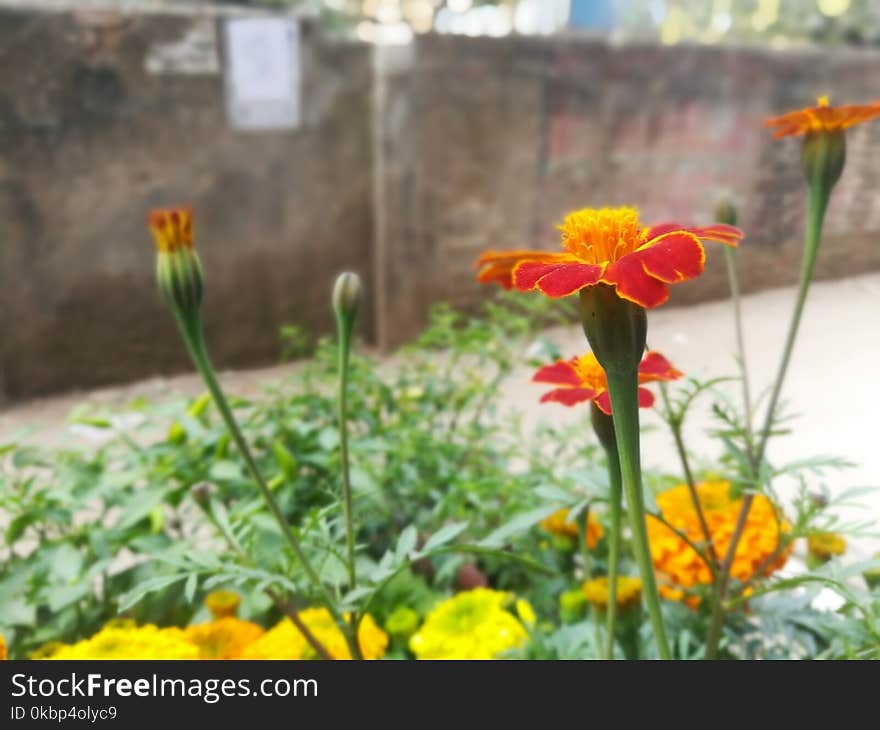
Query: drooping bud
point(603, 425)
point(178, 269)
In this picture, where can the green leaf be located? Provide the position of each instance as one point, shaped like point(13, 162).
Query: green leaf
point(520, 524)
point(407, 541)
point(444, 535)
point(225, 471)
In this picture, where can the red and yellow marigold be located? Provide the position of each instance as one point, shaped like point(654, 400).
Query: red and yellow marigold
point(822, 118)
point(609, 246)
point(583, 379)
point(761, 550)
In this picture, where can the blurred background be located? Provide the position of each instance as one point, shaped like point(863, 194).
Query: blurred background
point(395, 138)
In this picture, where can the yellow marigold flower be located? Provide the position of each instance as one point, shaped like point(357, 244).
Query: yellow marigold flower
point(222, 603)
point(559, 524)
point(471, 625)
point(525, 612)
point(3, 653)
point(139, 642)
point(629, 592)
point(224, 638)
point(678, 564)
point(284, 640)
point(825, 545)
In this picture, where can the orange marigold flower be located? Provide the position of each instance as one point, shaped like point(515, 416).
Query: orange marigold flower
point(822, 118)
point(609, 246)
point(583, 379)
point(559, 524)
point(628, 594)
point(3, 652)
point(172, 228)
point(679, 566)
point(224, 638)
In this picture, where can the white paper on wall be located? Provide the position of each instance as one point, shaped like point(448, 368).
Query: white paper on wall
point(262, 73)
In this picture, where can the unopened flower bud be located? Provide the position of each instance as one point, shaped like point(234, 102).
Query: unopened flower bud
point(178, 269)
point(346, 295)
point(725, 212)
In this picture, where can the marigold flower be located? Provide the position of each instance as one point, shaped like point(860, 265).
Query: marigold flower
point(222, 603)
point(628, 594)
point(129, 642)
point(559, 524)
point(609, 246)
point(583, 379)
point(471, 625)
point(171, 228)
point(3, 652)
point(825, 545)
point(822, 118)
point(284, 640)
point(225, 638)
point(178, 270)
point(678, 564)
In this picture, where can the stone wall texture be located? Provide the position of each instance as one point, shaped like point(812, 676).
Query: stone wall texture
point(408, 163)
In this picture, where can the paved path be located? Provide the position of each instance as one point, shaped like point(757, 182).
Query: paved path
point(832, 382)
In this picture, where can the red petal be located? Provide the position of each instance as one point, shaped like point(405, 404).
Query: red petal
point(656, 367)
point(561, 372)
point(673, 257)
point(568, 396)
point(556, 279)
point(646, 398)
point(632, 282)
point(569, 278)
point(603, 400)
point(721, 232)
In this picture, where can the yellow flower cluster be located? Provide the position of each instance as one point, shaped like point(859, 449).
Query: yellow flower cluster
point(629, 592)
point(118, 640)
point(474, 624)
point(559, 524)
point(226, 637)
point(284, 640)
point(680, 567)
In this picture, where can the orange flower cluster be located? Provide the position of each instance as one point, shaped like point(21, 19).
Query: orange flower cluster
point(678, 565)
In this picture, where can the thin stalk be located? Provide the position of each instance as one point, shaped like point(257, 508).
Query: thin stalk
point(819, 194)
point(195, 342)
point(733, 279)
point(623, 388)
point(342, 414)
point(675, 425)
point(615, 499)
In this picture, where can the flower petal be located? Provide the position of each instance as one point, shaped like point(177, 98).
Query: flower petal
point(656, 367)
point(633, 283)
point(720, 232)
point(672, 257)
point(561, 372)
point(556, 279)
point(646, 398)
point(568, 396)
point(603, 401)
point(498, 266)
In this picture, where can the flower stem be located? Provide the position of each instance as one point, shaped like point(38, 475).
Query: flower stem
point(343, 350)
point(191, 329)
point(615, 499)
point(817, 204)
point(623, 389)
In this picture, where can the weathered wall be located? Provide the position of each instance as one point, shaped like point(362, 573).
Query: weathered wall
point(502, 137)
point(409, 162)
point(90, 140)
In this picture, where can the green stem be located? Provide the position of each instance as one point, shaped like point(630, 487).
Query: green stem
point(191, 329)
point(733, 280)
point(817, 204)
point(623, 389)
point(819, 193)
point(344, 330)
point(615, 499)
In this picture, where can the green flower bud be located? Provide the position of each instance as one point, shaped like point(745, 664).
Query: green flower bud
point(402, 623)
point(823, 157)
point(725, 212)
point(615, 327)
point(346, 295)
point(178, 269)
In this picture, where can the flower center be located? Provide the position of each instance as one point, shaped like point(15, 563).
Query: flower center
point(591, 372)
point(600, 236)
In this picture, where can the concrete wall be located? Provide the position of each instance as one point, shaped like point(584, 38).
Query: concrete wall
point(409, 162)
point(94, 131)
point(495, 140)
